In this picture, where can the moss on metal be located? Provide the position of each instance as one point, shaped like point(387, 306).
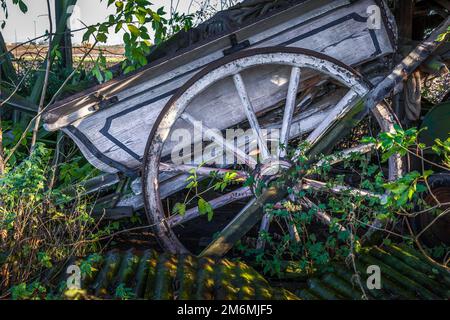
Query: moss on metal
point(150, 275)
point(405, 274)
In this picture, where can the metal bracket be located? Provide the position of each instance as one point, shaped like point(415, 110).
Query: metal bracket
point(235, 45)
point(104, 102)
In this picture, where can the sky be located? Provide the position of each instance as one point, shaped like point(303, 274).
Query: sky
point(22, 27)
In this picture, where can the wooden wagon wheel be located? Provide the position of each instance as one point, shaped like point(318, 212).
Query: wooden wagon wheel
point(297, 73)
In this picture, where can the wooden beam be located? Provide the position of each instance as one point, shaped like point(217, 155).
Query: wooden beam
point(65, 45)
point(17, 102)
point(60, 33)
point(8, 72)
point(408, 65)
point(405, 19)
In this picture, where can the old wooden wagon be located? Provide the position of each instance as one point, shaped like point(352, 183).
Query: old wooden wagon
point(291, 71)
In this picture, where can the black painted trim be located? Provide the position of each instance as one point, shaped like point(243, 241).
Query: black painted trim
point(100, 155)
point(109, 120)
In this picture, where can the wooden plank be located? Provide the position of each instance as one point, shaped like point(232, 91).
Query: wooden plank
point(93, 185)
point(116, 213)
point(15, 101)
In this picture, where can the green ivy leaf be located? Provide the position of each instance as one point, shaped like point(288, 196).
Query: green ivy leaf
point(102, 37)
point(205, 208)
point(179, 208)
point(134, 30)
point(23, 7)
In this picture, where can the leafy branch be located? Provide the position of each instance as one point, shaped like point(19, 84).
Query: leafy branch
point(143, 28)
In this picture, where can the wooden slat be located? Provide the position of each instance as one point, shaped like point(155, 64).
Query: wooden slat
point(242, 223)
point(289, 109)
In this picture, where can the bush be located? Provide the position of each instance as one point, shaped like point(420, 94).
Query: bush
point(38, 226)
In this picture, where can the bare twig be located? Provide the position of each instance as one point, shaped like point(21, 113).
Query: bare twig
point(443, 213)
point(44, 87)
point(419, 245)
point(2, 155)
point(55, 96)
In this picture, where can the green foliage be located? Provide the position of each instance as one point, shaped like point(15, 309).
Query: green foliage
point(351, 214)
point(22, 6)
point(76, 170)
point(124, 293)
point(442, 149)
point(396, 142)
point(216, 182)
point(405, 188)
point(205, 208)
point(87, 265)
point(133, 17)
point(36, 230)
point(33, 291)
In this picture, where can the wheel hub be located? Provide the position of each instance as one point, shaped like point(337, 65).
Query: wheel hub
point(267, 172)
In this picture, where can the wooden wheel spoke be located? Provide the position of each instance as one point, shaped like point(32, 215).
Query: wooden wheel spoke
point(322, 186)
point(234, 231)
point(346, 154)
point(200, 170)
point(242, 223)
point(341, 108)
point(251, 116)
point(217, 138)
point(320, 214)
point(263, 229)
point(289, 110)
point(216, 203)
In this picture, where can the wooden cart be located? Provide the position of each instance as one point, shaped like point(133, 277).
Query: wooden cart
point(293, 71)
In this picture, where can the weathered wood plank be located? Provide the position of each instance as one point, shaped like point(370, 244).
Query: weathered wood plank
point(190, 59)
point(93, 185)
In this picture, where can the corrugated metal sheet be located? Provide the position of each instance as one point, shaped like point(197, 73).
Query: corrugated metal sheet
point(405, 274)
point(159, 276)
